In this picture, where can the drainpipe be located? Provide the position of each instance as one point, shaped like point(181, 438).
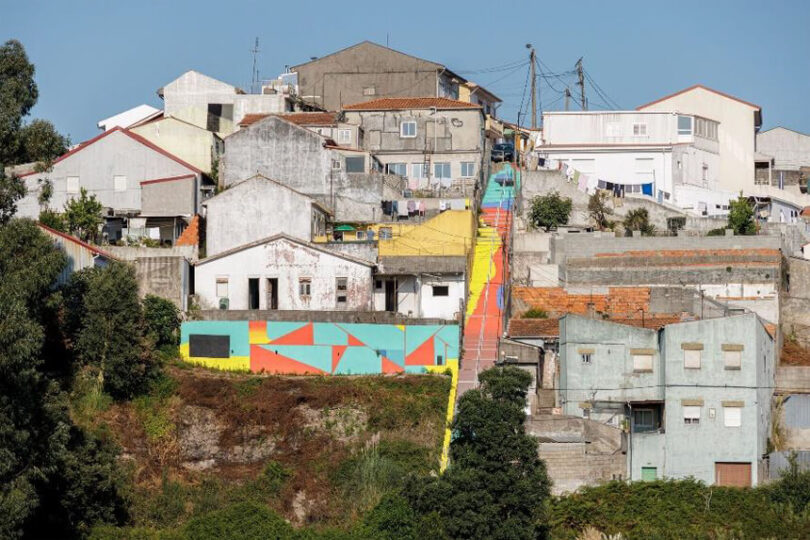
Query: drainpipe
point(630, 442)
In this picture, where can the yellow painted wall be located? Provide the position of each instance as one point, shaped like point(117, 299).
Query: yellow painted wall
point(190, 143)
point(450, 233)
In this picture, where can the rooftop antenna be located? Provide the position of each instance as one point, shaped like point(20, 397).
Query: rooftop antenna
point(254, 82)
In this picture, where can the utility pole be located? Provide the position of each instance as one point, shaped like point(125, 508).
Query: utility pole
point(567, 97)
point(581, 84)
point(254, 82)
point(532, 63)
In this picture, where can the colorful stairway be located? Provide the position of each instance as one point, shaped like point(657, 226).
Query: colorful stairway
point(483, 323)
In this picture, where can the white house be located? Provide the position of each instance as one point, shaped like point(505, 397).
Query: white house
point(129, 117)
point(258, 208)
point(284, 273)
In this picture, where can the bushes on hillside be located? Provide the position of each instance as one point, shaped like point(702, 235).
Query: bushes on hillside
point(162, 320)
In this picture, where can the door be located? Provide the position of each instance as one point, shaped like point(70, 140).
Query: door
point(253, 293)
point(390, 295)
point(732, 474)
point(272, 293)
point(649, 474)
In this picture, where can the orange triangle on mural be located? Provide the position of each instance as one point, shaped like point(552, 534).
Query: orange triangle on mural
point(354, 342)
point(391, 367)
point(302, 336)
point(422, 355)
point(337, 353)
point(262, 359)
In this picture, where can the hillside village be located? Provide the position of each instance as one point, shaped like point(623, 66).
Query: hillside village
point(368, 212)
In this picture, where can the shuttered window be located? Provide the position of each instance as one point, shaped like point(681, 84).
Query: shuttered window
point(691, 359)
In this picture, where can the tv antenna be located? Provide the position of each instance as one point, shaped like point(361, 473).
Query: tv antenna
point(254, 82)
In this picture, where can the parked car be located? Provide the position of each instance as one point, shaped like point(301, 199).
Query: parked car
point(503, 152)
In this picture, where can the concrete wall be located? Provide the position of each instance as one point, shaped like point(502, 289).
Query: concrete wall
point(191, 143)
point(304, 347)
point(415, 296)
point(795, 305)
point(340, 78)
point(167, 277)
point(177, 197)
point(128, 253)
point(78, 254)
point(96, 165)
point(288, 262)
point(790, 149)
point(736, 132)
point(254, 209)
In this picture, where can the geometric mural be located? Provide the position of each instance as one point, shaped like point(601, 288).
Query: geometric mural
point(318, 347)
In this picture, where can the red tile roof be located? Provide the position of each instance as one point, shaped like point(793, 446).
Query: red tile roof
point(129, 134)
point(694, 87)
point(167, 179)
point(556, 301)
point(550, 328)
point(190, 236)
point(299, 118)
point(397, 104)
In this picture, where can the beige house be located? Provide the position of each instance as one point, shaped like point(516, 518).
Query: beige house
point(433, 142)
point(189, 142)
point(738, 121)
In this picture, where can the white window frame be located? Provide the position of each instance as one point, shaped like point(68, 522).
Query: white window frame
point(344, 135)
point(221, 287)
point(691, 414)
point(692, 363)
point(419, 170)
point(685, 131)
point(305, 287)
point(119, 182)
point(445, 167)
point(399, 165)
point(404, 133)
point(369, 91)
point(639, 129)
point(470, 165)
point(72, 184)
point(732, 416)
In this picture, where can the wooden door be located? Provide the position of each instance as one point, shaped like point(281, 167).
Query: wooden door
point(732, 474)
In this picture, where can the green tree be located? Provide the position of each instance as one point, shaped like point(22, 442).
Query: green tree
point(112, 334)
point(741, 216)
point(83, 216)
point(638, 220)
point(39, 141)
point(599, 210)
point(550, 210)
point(18, 94)
point(54, 220)
point(12, 189)
point(162, 320)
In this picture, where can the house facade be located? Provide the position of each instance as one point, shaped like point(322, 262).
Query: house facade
point(436, 143)
point(193, 144)
point(694, 397)
point(345, 180)
point(328, 124)
point(283, 273)
point(260, 208)
point(368, 71)
point(139, 184)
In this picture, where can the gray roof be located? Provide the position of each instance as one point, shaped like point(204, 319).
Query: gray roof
point(435, 264)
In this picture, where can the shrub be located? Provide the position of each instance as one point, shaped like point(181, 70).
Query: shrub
point(741, 216)
point(550, 210)
point(720, 231)
point(535, 313)
point(54, 220)
point(246, 521)
point(162, 320)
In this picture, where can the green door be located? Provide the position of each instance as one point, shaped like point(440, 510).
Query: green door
point(649, 474)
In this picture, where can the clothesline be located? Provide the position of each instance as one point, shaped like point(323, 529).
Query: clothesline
point(590, 183)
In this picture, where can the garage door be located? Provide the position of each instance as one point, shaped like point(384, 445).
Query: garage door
point(732, 474)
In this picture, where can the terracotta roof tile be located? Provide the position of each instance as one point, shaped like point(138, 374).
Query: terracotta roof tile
point(556, 301)
point(299, 119)
point(550, 328)
point(397, 103)
point(190, 236)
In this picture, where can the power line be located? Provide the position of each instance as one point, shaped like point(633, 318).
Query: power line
point(494, 69)
point(601, 92)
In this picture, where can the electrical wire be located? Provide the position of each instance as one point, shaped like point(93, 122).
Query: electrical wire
point(601, 92)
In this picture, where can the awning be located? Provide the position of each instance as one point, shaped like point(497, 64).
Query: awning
point(344, 228)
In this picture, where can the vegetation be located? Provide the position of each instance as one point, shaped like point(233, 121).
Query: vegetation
point(162, 320)
point(741, 216)
point(638, 219)
point(599, 211)
point(550, 211)
point(83, 216)
point(12, 189)
point(535, 313)
point(54, 220)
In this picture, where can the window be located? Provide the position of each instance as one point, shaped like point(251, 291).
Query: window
point(441, 169)
point(304, 287)
point(378, 284)
point(644, 420)
point(120, 183)
point(649, 474)
point(732, 416)
point(342, 291)
point(642, 362)
point(369, 91)
point(336, 165)
point(732, 356)
point(344, 136)
point(691, 359)
point(407, 129)
point(419, 170)
point(72, 184)
point(222, 287)
point(684, 125)
point(397, 168)
point(691, 414)
point(639, 130)
point(586, 357)
point(441, 290)
point(356, 164)
point(467, 169)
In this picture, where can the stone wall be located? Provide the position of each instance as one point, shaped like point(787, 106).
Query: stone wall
point(795, 305)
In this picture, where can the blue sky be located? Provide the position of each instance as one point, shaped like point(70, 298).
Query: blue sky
point(97, 58)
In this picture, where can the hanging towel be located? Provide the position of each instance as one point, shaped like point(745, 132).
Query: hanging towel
point(576, 176)
point(601, 184)
point(422, 207)
point(592, 183)
point(646, 189)
point(402, 208)
point(457, 204)
point(582, 183)
point(393, 208)
point(442, 206)
point(411, 207)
